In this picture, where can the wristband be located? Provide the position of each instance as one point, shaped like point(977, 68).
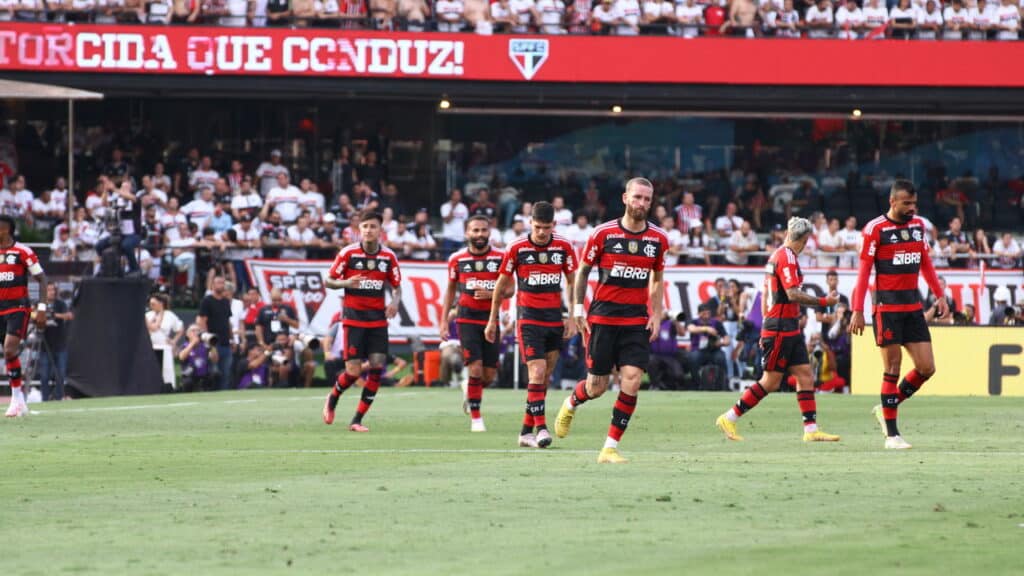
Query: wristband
point(823, 302)
point(577, 310)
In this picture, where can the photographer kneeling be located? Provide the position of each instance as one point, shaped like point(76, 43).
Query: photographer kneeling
point(274, 326)
point(198, 357)
point(707, 337)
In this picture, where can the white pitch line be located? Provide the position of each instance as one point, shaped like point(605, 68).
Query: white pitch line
point(552, 451)
point(210, 403)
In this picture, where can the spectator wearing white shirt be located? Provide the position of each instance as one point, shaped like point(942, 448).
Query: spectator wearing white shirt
point(525, 14)
point(1008, 21)
point(929, 21)
point(246, 201)
point(875, 15)
point(200, 209)
point(283, 199)
point(658, 13)
point(579, 233)
point(697, 245)
point(16, 201)
point(503, 19)
point(741, 242)
point(62, 249)
point(297, 238)
point(237, 12)
point(1007, 251)
point(955, 20)
point(728, 223)
point(676, 241)
point(106, 11)
point(785, 23)
point(605, 15)
point(59, 194)
point(849, 238)
point(450, 15)
point(563, 216)
point(205, 175)
point(903, 19)
point(518, 229)
point(311, 201)
point(849, 20)
point(44, 212)
point(819, 20)
point(691, 16)
point(830, 243)
point(627, 13)
point(453, 215)
point(268, 172)
point(552, 16)
point(982, 17)
point(941, 252)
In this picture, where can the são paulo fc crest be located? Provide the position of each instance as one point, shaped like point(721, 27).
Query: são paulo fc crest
point(528, 55)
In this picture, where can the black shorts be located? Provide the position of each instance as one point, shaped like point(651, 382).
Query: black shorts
point(900, 328)
point(536, 341)
point(361, 342)
point(609, 347)
point(476, 347)
point(15, 323)
point(781, 352)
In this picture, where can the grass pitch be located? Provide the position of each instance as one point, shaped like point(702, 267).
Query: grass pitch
point(253, 483)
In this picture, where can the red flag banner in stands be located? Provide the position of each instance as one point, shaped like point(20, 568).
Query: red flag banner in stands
point(355, 53)
point(423, 285)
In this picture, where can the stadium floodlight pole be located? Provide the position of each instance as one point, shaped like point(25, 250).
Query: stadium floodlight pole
point(70, 200)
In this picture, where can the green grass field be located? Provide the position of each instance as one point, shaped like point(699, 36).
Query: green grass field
point(254, 483)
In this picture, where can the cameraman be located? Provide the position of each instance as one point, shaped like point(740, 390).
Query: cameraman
point(837, 339)
point(123, 221)
point(215, 317)
point(255, 372)
point(199, 361)
point(824, 366)
point(707, 337)
point(273, 327)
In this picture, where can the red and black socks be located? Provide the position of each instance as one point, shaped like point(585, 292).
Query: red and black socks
point(369, 394)
point(621, 413)
point(890, 402)
point(750, 397)
point(535, 396)
point(474, 395)
point(344, 382)
point(808, 409)
point(910, 384)
point(579, 394)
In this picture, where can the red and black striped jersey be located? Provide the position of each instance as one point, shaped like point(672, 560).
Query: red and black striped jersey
point(781, 273)
point(473, 272)
point(19, 261)
point(364, 306)
point(896, 251)
point(539, 272)
point(625, 261)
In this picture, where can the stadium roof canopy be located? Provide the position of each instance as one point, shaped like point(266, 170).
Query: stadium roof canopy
point(14, 90)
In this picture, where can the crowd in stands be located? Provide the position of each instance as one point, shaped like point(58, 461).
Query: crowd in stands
point(847, 19)
point(193, 226)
